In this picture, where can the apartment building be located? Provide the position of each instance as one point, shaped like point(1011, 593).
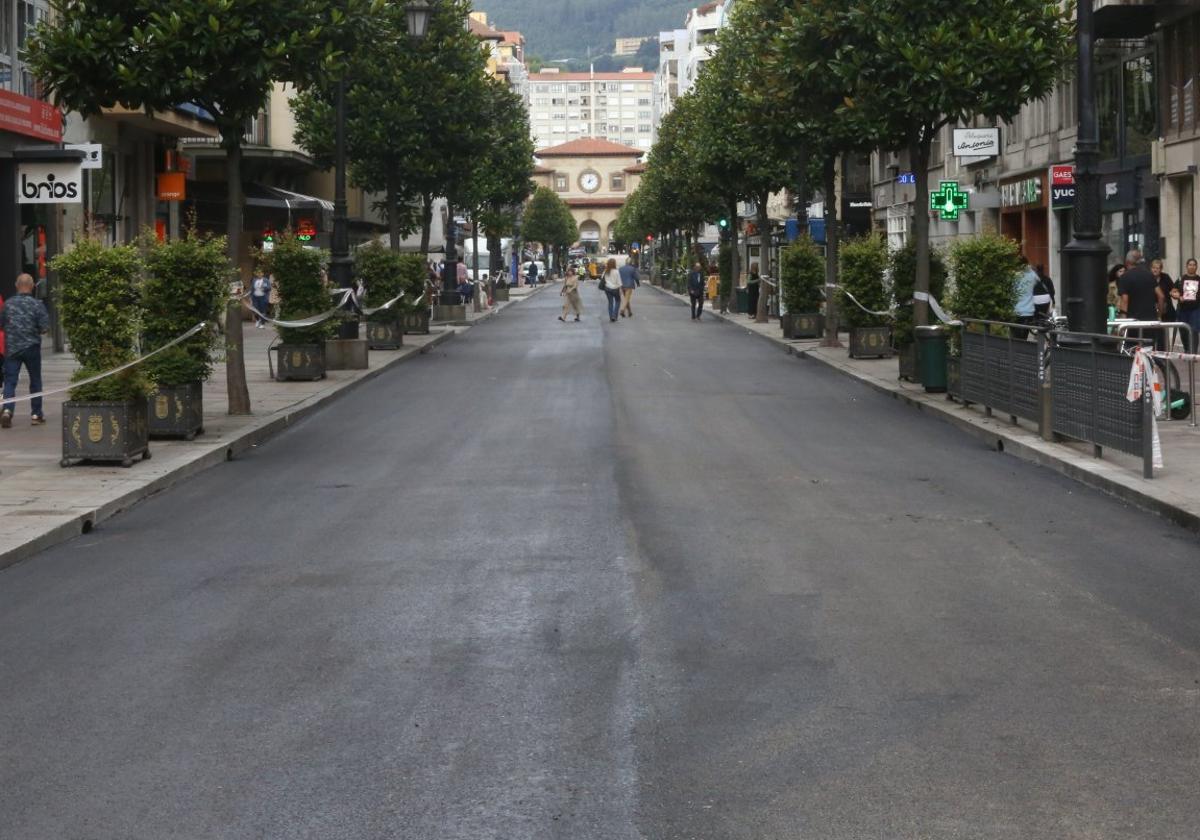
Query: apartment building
point(612, 106)
point(700, 41)
point(670, 45)
point(628, 46)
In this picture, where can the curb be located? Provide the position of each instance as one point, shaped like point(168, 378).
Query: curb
point(996, 438)
point(247, 439)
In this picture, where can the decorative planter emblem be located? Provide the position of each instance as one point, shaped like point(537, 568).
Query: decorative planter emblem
point(95, 428)
point(297, 359)
point(75, 429)
point(162, 407)
point(116, 429)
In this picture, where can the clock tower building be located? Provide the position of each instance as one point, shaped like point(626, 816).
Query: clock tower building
point(594, 177)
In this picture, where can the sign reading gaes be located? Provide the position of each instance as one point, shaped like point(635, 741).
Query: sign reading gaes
point(60, 182)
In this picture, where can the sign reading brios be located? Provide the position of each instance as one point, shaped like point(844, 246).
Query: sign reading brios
point(976, 142)
point(59, 182)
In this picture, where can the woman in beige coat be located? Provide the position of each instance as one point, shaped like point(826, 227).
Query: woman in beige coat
point(570, 291)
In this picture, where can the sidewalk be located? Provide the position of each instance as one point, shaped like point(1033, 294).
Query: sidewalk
point(1173, 493)
point(42, 504)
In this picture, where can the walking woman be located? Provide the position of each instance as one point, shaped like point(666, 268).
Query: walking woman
point(570, 291)
point(610, 284)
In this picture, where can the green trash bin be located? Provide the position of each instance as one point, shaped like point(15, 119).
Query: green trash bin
point(741, 298)
point(932, 347)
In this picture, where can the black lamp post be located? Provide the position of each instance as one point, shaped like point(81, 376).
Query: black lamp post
point(341, 267)
point(1087, 253)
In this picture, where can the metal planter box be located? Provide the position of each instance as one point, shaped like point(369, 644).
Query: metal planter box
point(907, 354)
point(415, 323)
point(870, 342)
point(385, 335)
point(500, 294)
point(105, 431)
point(454, 313)
point(176, 411)
point(299, 362)
point(807, 325)
point(346, 354)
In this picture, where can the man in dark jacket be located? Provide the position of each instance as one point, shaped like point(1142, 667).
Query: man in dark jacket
point(695, 286)
point(24, 320)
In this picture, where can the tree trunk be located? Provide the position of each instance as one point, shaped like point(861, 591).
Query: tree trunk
point(495, 253)
point(475, 260)
point(393, 209)
point(829, 172)
point(735, 244)
point(426, 222)
point(764, 262)
point(802, 191)
point(235, 353)
point(920, 161)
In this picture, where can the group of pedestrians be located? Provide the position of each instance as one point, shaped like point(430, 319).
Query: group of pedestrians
point(1149, 294)
point(618, 285)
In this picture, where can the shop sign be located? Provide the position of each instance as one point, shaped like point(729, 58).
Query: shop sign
point(172, 186)
point(948, 201)
point(93, 154)
point(41, 182)
point(976, 142)
point(1062, 186)
point(1024, 193)
point(906, 178)
point(31, 117)
point(1116, 191)
point(306, 230)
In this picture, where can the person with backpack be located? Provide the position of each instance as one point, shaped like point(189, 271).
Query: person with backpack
point(1043, 293)
point(610, 284)
point(696, 282)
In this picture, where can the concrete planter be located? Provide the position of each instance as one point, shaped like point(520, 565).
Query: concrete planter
point(500, 294)
point(385, 335)
point(346, 354)
point(299, 362)
point(415, 323)
point(870, 342)
point(453, 313)
point(105, 431)
point(807, 325)
point(176, 411)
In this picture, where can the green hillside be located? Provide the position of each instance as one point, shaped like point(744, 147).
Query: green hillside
point(556, 29)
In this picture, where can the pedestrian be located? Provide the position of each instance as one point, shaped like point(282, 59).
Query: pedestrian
point(1026, 283)
point(465, 290)
point(695, 286)
point(630, 280)
point(1186, 295)
point(570, 291)
point(533, 273)
point(610, 284)
point(1140, 296)
point(1, 349)
point(260, 296)
point(714, 283)
point(753, 284)
point(1166, 284)
point(24, 320)
point(1043, 293)
point(1114, 298)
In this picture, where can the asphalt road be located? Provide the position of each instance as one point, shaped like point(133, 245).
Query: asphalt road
point(651, 579)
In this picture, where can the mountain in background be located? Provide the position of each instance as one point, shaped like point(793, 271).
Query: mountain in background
point(558, 29)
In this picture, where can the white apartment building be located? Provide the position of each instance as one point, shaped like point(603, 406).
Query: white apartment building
point(613, 106)
point(700, 43)
point(670, 44)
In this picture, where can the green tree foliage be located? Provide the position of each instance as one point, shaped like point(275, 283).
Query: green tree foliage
point(100, 306)
point(801, 276)
point(864, 263)
point(548, 221)
point(186, 282)
point(904, 280)
point(302, 293)
point(386, 274)
point(985, 271)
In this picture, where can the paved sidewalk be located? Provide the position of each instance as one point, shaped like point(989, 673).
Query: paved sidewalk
point(1174, 492)
point(42, 504)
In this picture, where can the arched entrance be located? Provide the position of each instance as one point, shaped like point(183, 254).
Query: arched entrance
point(589, 236)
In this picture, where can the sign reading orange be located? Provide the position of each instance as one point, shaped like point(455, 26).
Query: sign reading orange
point(172, 186)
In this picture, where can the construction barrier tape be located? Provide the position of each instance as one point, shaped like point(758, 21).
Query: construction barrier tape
point(306, 322)
point(937, 308)
point(202, 325)
point(1144, 377)
point(889, 313)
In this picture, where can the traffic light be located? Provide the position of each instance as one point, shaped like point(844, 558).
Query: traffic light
point(723, 223)
point(649, 237)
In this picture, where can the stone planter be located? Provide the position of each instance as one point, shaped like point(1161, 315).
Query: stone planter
point(415, 323)
point(176, 411)
point(870, 342)
point(453, 313)
point(385, 335)
point(807, 325)
point(500, 294)
point(907, 354)
point(299, 362)
point(105, 431)
point(346, 354)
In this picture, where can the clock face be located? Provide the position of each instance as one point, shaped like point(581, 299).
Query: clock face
point(589, 182)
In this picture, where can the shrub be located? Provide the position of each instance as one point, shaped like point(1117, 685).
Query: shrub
point(725, 265)
point(904, 279)
point(101, 313)
point(863, 263)
point(187, 281)
point(801, 276)
point(985, 272)
point(383, 272)
point(302, 291)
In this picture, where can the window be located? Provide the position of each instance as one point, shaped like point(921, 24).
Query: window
point(644, 101)
point(644, 128)
point(616, 182)
point(645, 115)
point(1138, 90)
point(560, 181)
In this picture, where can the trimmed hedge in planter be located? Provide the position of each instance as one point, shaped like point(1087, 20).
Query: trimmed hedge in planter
point(863, 263)
point(904, 276)
point(801, 278)
point(302, 294)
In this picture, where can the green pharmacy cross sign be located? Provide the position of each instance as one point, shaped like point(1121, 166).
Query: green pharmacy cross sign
point(948, 201)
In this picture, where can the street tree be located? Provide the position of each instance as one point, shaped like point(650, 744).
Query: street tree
point(548, 221)
point(224, 57)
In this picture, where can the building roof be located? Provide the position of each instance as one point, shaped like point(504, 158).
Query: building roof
point(619, 201)
point(586, 77)
point(538, 169)
point(484, 31)
point(590, 147)
point(636, 168)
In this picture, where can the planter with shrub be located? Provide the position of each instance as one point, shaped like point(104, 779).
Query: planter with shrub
point(801, 277)
point(186, 282)
point(863, 266)
point(904, 278)
point(100, 310)
point(380, 270)
point(302, 294)
point(986, 268)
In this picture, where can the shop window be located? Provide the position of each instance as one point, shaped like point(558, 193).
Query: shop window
point(617, 182)
point(1138, 79)
point(1108, 110)
point(560, 182)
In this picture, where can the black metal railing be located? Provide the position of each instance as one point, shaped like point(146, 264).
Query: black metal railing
point(1001, 369)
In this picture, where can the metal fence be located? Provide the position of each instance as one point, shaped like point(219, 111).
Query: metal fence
point(1001, 372)
point(1089, 379)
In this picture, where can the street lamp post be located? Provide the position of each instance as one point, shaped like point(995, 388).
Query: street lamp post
point(1087, 253)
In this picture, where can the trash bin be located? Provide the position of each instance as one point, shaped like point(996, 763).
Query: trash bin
point(740, 298)
point(932, 344)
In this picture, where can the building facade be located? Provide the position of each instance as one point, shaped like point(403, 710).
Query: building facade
point(619, 107)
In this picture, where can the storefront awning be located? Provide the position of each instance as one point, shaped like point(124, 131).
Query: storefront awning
point(258, 195)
